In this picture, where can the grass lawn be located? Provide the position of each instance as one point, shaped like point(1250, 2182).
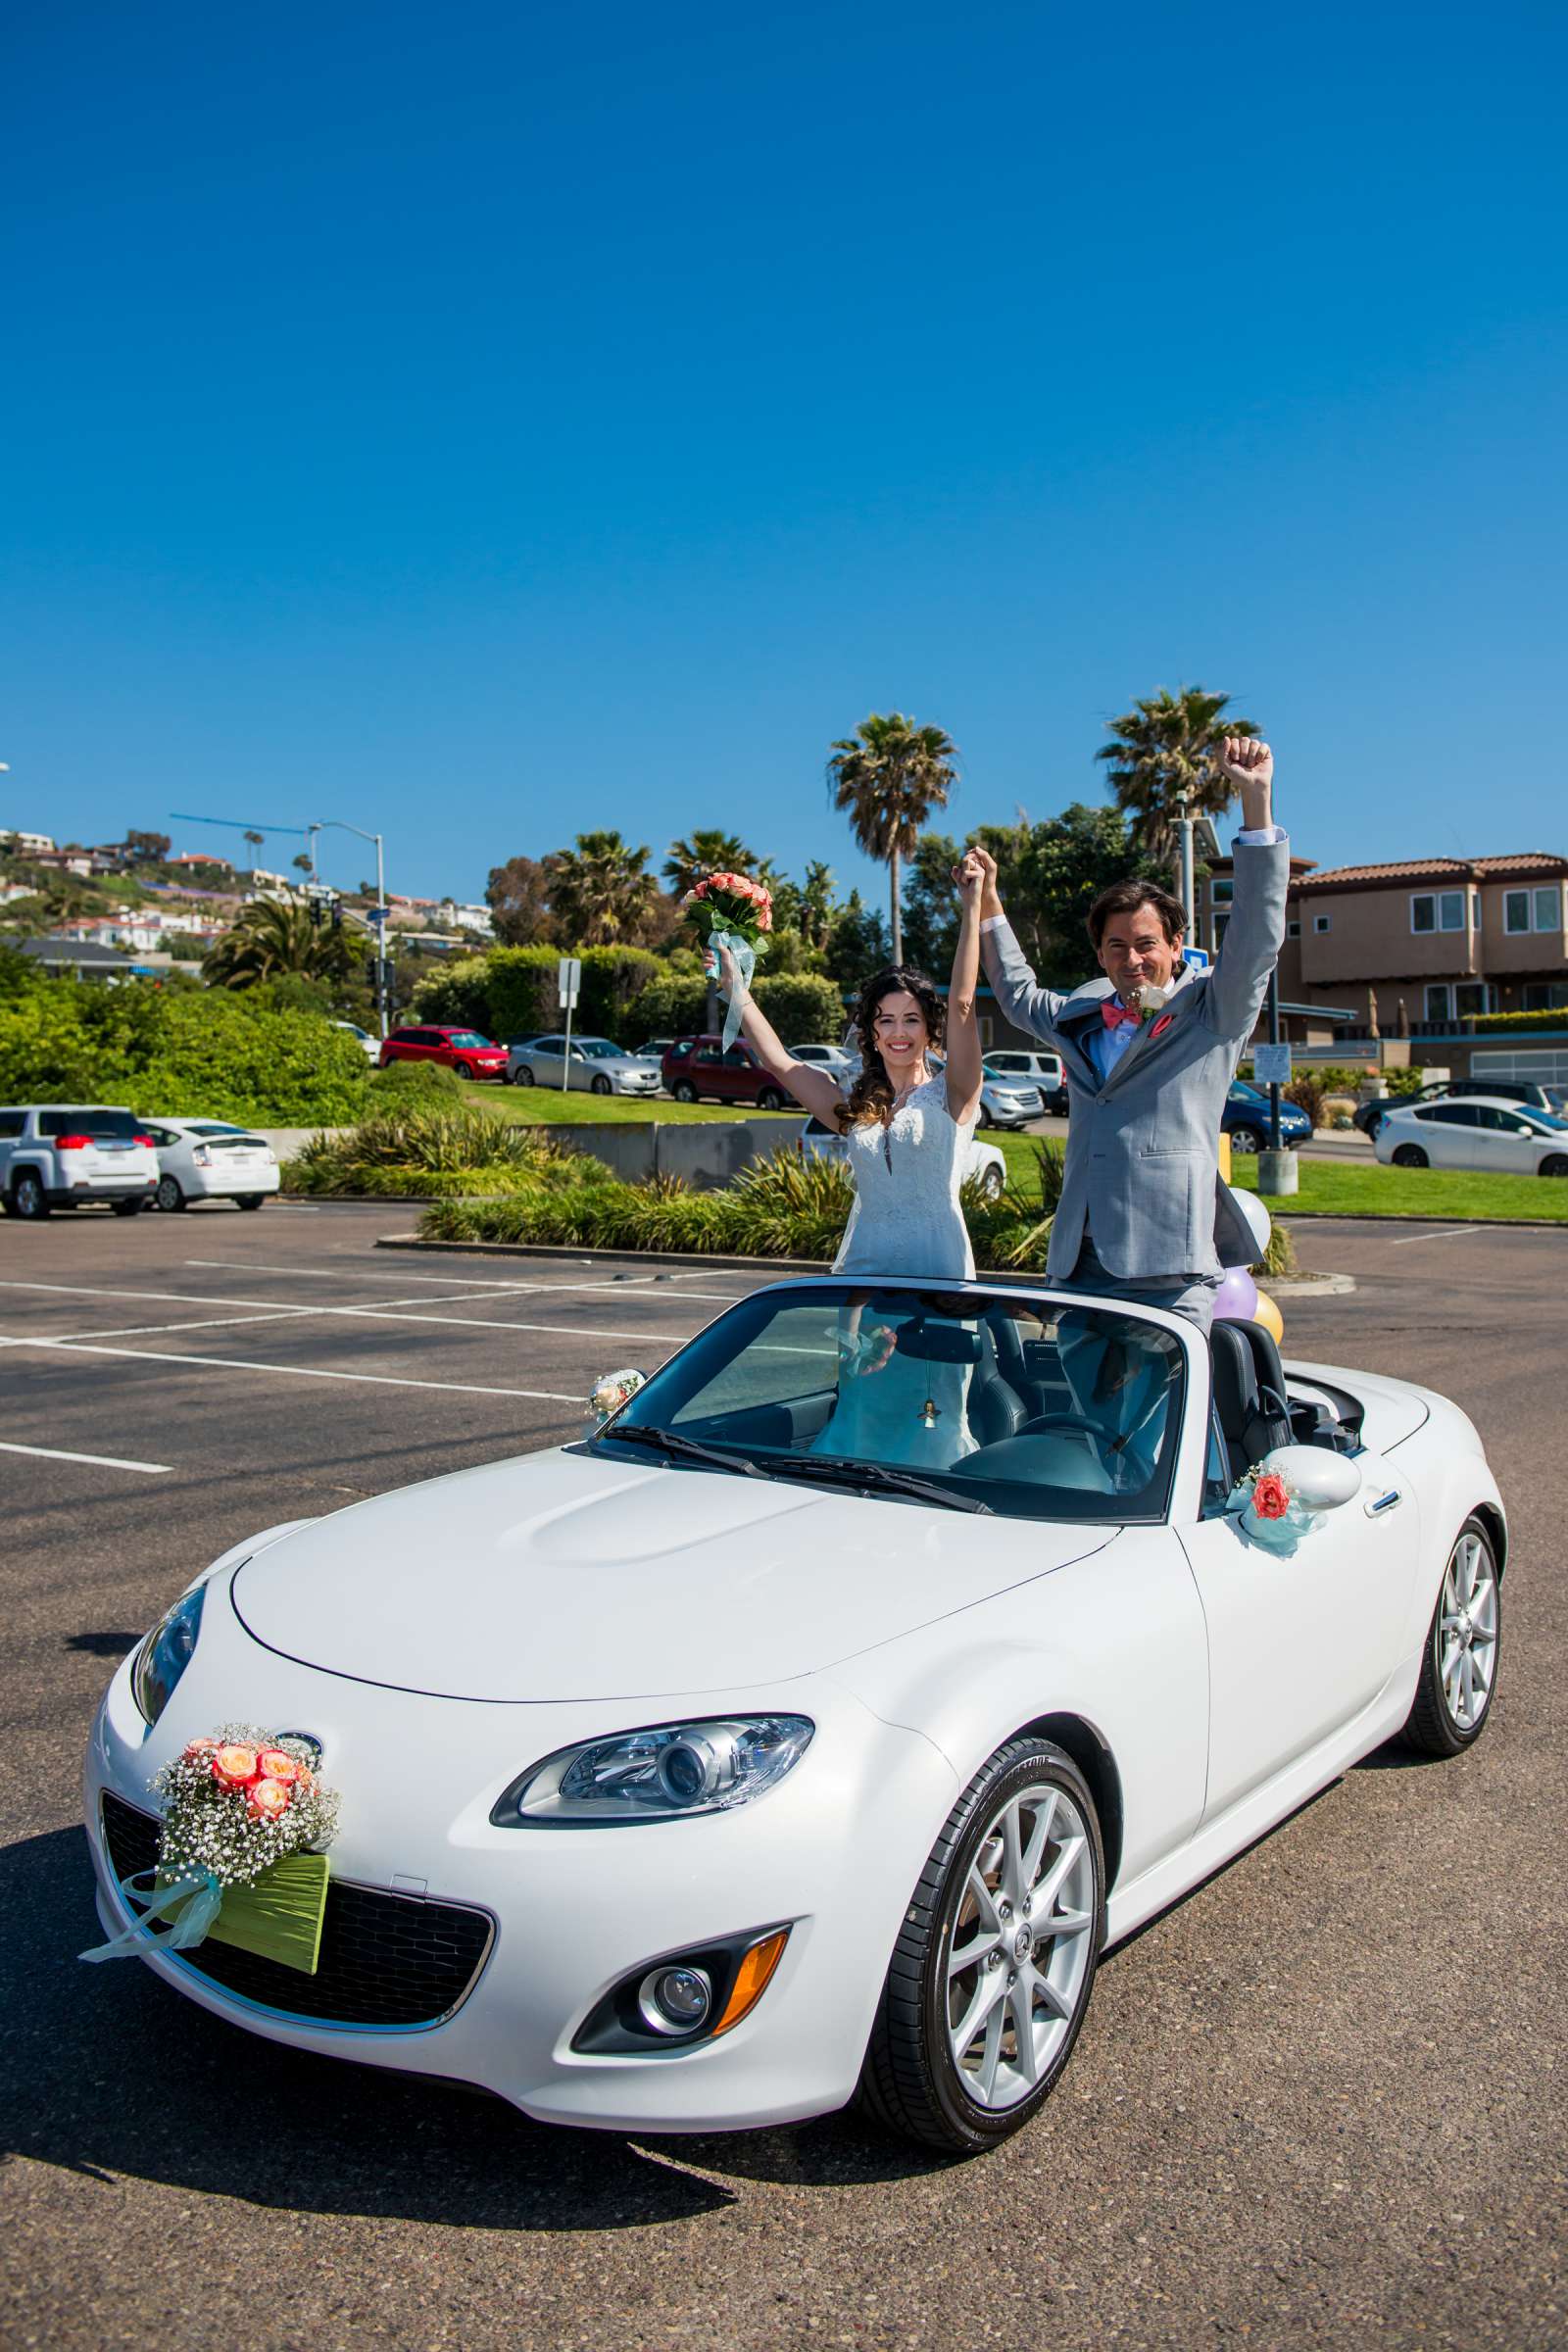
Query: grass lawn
point(547, 1106)
point(1332, 1190)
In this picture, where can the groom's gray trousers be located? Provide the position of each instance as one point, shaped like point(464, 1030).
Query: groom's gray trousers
point(1143, 1146)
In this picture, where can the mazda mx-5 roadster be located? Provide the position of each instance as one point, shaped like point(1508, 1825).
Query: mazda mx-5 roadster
point(808, 1730)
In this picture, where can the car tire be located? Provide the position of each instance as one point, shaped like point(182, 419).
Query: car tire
point(1246, 1138)
point(465, 1070)
point(168, 1195)
point(684, 1091)
point(251, 1200)
point(1374, 1125)
point(524, 1075)
point(1555, 1165)
point(600, 1085)
point(770, 1099)
point(130, 1208)
point(28, 1200)
point(1451, 1708)
point(982, 1117)
point(992, 1183)
point(924, 2066)
point(1409, 1156)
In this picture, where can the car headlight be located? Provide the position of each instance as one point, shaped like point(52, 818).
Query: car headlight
point(666, 1770)
point(165, 1653)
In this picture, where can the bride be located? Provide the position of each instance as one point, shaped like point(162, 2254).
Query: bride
point(907, 1129)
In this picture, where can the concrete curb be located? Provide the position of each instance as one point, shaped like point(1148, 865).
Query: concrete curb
point(1408, 1217)
point(1318, 1286)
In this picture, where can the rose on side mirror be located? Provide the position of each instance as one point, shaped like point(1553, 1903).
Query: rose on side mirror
point(1319, 1481)
point(608, 1394)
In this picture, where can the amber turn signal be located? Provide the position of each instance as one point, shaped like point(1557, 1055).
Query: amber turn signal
point(751, 1979)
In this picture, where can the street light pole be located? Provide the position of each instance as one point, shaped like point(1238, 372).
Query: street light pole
point(338, 824)
point(1184, 823)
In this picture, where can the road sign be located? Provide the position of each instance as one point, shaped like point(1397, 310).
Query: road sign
point(1198, 957)
point(568, 980)
point(1271, 1066)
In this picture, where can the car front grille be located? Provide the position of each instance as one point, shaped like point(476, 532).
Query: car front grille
point(389, 1962)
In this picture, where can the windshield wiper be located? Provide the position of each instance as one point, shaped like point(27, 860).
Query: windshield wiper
point(687, 1450)
point(874, 1474)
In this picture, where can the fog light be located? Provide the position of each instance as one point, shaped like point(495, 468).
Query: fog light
point(675, 2000)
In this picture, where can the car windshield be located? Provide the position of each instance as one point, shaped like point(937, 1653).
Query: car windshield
point(599, 1049)
point(466, 1037)
point(1547, 1119)
point(210, 1127)
point(1241, 1092)
point(1041, 1410)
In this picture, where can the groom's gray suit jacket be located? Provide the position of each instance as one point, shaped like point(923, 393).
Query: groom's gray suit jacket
point(1143, 1148)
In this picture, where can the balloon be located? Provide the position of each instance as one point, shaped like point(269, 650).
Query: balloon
point(1250, 1210)
point(1236, 1299)
point(1268, 1314)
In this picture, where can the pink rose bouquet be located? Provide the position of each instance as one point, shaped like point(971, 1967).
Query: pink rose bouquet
point(733, 913)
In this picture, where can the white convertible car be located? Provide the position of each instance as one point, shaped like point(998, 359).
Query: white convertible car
point(813, 1728)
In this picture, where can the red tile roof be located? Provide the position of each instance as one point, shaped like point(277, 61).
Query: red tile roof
point(1438, 870)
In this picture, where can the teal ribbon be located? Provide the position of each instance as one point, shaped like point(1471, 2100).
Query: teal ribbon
point(205, 1894)
point(745, 959)
point(1280, 1536)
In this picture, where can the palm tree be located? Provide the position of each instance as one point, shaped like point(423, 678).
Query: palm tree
point(703, 853)
point(256, 840)
point(889, 775)
point(599, 889)
point(1163, 756)
point(270, 938)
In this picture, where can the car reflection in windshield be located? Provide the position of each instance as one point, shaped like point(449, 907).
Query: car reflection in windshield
point(1036, 1410)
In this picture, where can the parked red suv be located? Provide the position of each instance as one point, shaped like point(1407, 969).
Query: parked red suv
point(461, 1050)
point(695, 1066)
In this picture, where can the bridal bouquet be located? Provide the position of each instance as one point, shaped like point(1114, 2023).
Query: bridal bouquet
point(610, 1395)
point(238, 1857)
point(735, 913)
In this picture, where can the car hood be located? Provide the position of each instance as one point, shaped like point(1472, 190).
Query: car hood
point(568, 1576)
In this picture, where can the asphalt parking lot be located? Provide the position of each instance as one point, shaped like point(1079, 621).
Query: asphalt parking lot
point(1320, 2103)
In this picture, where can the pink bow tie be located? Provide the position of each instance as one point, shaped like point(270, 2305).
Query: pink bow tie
point(1114, 1010)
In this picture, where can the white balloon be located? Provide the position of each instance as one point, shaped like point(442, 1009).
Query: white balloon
point(1254, 1216)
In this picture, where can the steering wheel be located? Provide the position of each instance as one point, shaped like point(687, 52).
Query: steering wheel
point(1075, 1421)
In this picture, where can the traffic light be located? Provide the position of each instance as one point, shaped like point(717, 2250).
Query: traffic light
point(337, 914)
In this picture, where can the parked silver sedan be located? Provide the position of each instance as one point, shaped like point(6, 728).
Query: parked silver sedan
point(595, 1065)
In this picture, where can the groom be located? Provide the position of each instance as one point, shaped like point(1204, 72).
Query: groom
point(1142, 1213)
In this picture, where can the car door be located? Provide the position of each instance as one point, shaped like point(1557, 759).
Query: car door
point(1300, 1643)
point(743, 1074)
point(1452, 1135)
point(545, 1057)
point(1512, 1136)
point(707, 1073)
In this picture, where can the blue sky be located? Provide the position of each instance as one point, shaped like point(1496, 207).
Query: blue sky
point(490, 423)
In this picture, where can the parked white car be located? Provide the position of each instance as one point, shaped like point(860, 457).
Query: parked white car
point(1475, 1131)
point(1012, 1674)
point(207, 1159)
point(58, 1157)
point(372, 1046)
point(596, 1063)
point(837, 1061)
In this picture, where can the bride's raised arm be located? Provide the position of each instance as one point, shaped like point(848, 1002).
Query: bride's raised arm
point(814, 1090)
point(965, 1063)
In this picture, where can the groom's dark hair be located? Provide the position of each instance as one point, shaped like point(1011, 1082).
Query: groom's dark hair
point(1125, 898)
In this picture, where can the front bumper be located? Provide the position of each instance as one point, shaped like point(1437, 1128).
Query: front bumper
point(833, 1851)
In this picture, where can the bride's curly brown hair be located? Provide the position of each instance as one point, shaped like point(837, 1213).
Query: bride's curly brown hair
point(871, 1095)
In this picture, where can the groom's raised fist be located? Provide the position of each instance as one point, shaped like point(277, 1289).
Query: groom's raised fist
point(1247, 760)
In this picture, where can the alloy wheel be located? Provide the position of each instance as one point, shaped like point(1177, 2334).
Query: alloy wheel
point(169, 1193)
point(1022, 1945)
point(1465, 1636)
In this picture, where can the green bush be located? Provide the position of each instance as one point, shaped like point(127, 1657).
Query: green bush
point(456, 995)
point(1403, 1081)
point(180, 1052)
point(803, 1007)
point(672, 1004)
point(414, 1082)
point(1307, 1092)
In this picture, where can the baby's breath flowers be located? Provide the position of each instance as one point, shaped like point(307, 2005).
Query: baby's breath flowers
point(238, 1801)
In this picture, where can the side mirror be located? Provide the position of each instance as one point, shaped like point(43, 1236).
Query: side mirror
point(1286, 1494)
point(1319, 1480)
point(608, 1394)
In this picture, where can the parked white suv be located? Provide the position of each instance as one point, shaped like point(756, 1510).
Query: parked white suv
point(63, 1158)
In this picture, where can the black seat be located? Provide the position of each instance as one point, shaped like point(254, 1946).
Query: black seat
point(1255, 1414)
point(996, 1409)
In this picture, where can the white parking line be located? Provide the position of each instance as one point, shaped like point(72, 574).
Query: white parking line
point(99, 1461)
point(232, 1363)
point(1448, 1232)
point(359, 1314)
point(471, 1282)
point(132, 1331)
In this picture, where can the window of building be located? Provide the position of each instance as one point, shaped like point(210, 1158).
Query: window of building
point(1437, 911)
point(1532, 909)
point(1544, 996)
point(1473, 997)
point(1322, 922)
point(1439, 1003)
point(1549, 907)
point(1222, 923)
point(1293, 930)
point(1222, 890)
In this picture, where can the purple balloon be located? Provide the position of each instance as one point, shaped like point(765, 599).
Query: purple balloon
point(1236, 1299)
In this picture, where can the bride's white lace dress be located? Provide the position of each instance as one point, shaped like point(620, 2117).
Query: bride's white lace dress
point(906, 1220)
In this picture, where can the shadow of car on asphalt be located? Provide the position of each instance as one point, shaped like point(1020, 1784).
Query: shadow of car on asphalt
point(106, 2071)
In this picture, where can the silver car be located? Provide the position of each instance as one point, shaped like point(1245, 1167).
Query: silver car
point(595, 1065)
point(1006, 1101)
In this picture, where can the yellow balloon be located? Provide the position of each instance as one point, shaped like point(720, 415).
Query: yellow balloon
point(1268, 1314)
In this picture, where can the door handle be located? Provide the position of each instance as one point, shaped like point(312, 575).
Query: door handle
point(1381, 1505)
